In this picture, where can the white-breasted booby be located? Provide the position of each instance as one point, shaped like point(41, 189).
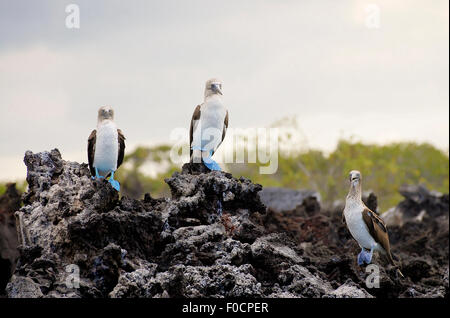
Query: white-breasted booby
point(106, 147)
point(366, 227)
point(208, 125)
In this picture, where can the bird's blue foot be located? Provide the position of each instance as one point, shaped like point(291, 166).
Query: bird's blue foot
point(97, 175)
point(114, 183)
point(211, 164)
point(365, 257)
point(361, 258)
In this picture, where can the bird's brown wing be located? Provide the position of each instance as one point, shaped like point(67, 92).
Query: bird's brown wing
point(378, 230)
point(195, 117)
point(121, 138)
point(224, 131)
point(91, 150)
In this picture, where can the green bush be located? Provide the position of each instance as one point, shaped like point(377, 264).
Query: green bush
point(384, 169)
point(20, 185)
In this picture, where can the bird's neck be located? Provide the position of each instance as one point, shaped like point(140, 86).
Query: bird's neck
point(104, 122)
point(212, 95)
point(354, 194)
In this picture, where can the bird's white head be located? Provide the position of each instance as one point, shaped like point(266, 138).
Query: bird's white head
point(355, 177)
point(213, 86)
point(355, 185)
point(105, 113)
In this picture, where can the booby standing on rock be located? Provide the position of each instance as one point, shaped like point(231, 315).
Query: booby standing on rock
point(208, 126)
point(106, 147)
point(366, 227)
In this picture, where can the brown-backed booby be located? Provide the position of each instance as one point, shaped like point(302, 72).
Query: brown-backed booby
point(208, 125)
point(106, 147)
point(366, 227)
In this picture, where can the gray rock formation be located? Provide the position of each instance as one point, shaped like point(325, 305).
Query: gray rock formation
point(212, 238)
point(200, 243)
point(419, 203)
point(283, 199)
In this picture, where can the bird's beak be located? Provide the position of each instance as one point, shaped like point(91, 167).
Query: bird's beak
point(217, 89)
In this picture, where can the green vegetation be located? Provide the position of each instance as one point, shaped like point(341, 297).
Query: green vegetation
point(384, 168)
point(135, 182)
point(20, 185)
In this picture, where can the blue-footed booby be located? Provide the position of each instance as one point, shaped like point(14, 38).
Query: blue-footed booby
point(366, 227)
point(208, 125)
point(106, 147)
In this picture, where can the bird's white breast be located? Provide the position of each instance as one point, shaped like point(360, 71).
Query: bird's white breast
point(212, 116)
point(106, 147)
point(357, 226)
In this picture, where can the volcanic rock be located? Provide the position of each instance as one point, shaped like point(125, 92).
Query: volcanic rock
point(212, 238)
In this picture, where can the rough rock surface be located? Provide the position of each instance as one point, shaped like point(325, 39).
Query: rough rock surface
point(282, 199)
point(212, 238)
point(420, 245)
point(419, 203)
point(9, 203)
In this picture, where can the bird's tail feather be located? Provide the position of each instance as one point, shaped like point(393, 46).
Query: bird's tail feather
point(391, 258)
point(399, 272)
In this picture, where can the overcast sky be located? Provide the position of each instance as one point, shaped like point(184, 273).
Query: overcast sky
point(318, 60)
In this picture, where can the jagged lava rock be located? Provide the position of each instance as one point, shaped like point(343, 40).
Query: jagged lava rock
point(419, 244)
point(419, 203)
point(283, 199)
point(204, 241)
point(213, 238)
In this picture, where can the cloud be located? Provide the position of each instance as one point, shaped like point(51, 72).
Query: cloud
point(150, 59)
point(30, 88)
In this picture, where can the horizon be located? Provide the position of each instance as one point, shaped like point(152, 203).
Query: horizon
point(81, 157)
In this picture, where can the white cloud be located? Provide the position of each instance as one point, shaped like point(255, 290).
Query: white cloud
point(30, 86)
point(149, 61)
